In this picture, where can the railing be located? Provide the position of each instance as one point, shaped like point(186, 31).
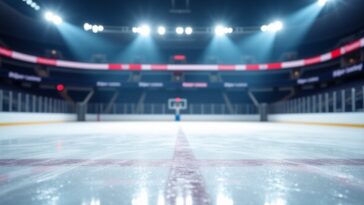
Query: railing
point(206, 109)
point(344, 100)
point(11, 101)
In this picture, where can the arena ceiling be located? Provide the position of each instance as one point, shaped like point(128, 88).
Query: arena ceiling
point(336, 20)
point(236, 12)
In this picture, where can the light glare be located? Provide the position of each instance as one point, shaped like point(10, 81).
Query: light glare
point(32, 4)
point(322, 2)
point(188, 30)
point(51, 17)
point(87, 26)
point(272, 27)
point(264, 28)
point(101, 28)
point(219, 30)
point(179, 30)
point(144, 30)
point(57, 20)
point(95, 29)
point(222, 30)
point(161, 30)
point(48, 16)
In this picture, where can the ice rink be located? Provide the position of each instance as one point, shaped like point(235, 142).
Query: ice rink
point(187, 163)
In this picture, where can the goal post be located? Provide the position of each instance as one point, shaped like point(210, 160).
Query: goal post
point(177, 104)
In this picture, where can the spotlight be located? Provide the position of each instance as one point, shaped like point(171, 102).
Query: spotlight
point(51, 17)
point(277, 26)
point(48, 16)
point(32, 4)
point(188, 30)
point(219, 30)
point(322, 2)
point(101, 28)
point(95, 28)
point(57, 20)
point(87, 26)
point(144, 30)
point(222, 30)
point(229, 30)
point(264, 28)
point(179, 30)
point(272, 27)
point(161, 30)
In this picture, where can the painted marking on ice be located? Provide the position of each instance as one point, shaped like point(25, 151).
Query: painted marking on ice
point(185, 179)
point(176, 161)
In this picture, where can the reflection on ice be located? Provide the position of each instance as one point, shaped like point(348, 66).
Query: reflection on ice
point(93, 201)
point(223, 200)
point(212, 164)
point(222, 197)
point(180, 200)
point(188, 200)
point(161, 200)
point(276, 201)
point(51, 195)
point(141, 198)
point(277, 188)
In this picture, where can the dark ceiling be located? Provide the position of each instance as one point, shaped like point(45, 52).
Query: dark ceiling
point(203, 13)
point(338, 19)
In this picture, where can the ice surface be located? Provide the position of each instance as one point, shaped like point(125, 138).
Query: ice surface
point(162, 163)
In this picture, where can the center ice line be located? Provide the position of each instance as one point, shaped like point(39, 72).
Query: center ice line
point(185, 184)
